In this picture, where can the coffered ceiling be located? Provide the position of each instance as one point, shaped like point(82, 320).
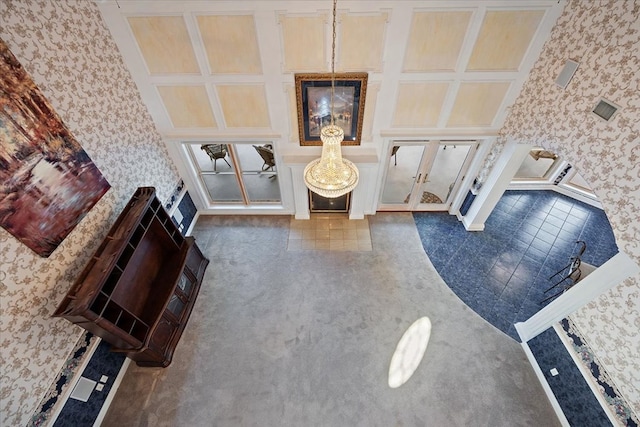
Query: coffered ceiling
point(216, 69)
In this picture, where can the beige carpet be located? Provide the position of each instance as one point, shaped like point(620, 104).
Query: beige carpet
point(305, 338)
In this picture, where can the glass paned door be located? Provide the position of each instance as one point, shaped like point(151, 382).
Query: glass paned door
point(217, 172)
point(402, 176)
point(450, 160)
point(236, 173)
point(425, 176)
point(259, 175)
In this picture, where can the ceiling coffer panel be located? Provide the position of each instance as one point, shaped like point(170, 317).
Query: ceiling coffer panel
point(419, 104)
point(477, 103)
point(244, 106)
point(303, 39)
point(504, 39)
point(435, 41)
point(188, 106)
point(165, 44)
point(231, 43)
point(357, 31)
point(218, 66)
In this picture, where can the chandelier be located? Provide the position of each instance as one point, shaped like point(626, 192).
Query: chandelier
point(331, 176)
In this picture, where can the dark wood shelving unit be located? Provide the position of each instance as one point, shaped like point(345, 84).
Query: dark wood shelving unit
point(139, 288)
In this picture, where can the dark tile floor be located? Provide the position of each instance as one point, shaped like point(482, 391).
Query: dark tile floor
point(574, 396)
point(76, 413)
point(502, 272)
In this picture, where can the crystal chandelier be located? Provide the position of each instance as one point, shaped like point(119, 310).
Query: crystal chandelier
point(331, 176)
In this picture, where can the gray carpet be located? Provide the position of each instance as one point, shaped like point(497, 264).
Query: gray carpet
point(300, 338)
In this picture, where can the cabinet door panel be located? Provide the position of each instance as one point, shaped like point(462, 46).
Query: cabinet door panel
point(162, 335)
point(185, 284)
point(195, 261)
point(176, 306)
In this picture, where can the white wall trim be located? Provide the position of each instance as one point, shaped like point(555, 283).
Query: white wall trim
point(545, 385)
point(588, 377)
point(610, 274)
point(193, 224)
point(481, 148)
point(176, 203)
point(560, 188)
point(62, 400)
point(469, 226)
point(497, 182)
point(112, 393)
point(568, 191)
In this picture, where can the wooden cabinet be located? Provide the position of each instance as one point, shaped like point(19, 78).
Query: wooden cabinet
point(139, 288)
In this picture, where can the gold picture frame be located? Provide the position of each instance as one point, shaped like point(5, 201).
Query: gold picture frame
point(313, 99)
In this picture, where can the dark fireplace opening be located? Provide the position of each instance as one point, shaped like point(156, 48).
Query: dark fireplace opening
point(318, 203)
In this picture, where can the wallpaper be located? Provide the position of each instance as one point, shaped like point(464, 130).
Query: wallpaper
point(71, 56)
point(621, 409)
point(604, 37)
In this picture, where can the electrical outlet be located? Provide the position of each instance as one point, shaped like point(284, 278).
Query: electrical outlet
point(554, 372)
point(99, 387)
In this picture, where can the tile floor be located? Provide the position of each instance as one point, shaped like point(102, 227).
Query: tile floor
point(576, 399)
point(502, 272)
point(103, 362)
point(329, 232)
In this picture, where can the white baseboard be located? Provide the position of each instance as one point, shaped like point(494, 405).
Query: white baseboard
point(193, 224)
point(62, 400)
point(588, 377)
point(112, 393)
point(472, 227)
point(545, 385)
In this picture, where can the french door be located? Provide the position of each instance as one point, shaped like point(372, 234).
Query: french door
point(236, 173)
point(425, 175)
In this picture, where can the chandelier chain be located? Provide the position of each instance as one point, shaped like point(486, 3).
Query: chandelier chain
point(333, 58)
point(331, 176)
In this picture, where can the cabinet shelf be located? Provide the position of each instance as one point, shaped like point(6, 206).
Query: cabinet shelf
point(139, 288)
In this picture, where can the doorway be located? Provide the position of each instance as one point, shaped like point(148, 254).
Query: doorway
point(236, 173)
point(425, 175)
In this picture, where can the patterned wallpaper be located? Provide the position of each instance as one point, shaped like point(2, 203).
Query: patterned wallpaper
point(604, 37)
point(71, 56)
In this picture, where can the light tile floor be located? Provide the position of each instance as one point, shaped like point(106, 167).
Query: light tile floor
point(329, 232)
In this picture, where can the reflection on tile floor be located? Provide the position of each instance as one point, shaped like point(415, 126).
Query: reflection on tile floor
point(502, 272)
point(329, 232)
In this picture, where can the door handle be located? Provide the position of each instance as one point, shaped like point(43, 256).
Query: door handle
point(425, 178)
point(418, 180)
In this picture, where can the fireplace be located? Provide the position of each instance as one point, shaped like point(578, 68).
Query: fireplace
point(317, 203)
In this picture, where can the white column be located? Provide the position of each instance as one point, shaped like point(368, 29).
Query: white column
point(484, 145)
point(361, 194)
point(501, 175)
point(300, 192)
point(600, 280)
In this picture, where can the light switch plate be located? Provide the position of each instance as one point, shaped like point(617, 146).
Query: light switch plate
point(104, 379)
point(554, 372)
point(83, 389)
point(178, 216)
